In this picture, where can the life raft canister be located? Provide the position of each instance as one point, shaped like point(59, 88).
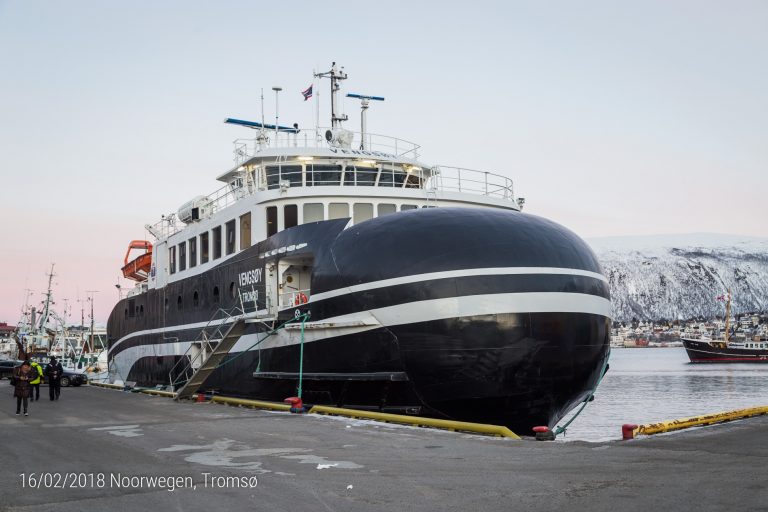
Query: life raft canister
point(300, 299)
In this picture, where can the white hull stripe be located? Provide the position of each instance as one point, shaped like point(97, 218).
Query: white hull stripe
point(448, 274)
point(430, 310)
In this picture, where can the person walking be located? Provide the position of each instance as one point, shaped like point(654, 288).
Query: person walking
point(22, 375)
point(53, 372)
point(37, 372)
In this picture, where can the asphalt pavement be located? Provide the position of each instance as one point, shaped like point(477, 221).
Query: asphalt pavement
point(106, 450)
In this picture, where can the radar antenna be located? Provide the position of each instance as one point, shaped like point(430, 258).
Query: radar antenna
point(364, 103)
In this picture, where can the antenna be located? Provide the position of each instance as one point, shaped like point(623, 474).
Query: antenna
point(89, 346)
point(364, 101)
point(336, 76)
point(277, 90)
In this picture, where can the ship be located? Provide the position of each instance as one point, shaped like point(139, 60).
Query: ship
point(340, 267)
point(726, 350)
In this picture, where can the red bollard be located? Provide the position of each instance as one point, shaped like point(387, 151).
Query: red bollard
point(544, 434)
point(296, 404)
point(628, 431)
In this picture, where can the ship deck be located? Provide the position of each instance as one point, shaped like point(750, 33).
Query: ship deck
point(324, 463)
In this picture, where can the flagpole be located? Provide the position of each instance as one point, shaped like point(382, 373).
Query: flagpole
point(316, 90)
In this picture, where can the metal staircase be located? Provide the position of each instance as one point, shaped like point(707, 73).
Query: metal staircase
point(206, 353)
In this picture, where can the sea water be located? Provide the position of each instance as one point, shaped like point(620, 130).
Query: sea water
point(647, 385)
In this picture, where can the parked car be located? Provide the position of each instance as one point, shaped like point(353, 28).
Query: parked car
point(70, 378)
point(7, 366)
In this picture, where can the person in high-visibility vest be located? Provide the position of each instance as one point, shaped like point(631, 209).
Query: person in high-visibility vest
point(37, 371)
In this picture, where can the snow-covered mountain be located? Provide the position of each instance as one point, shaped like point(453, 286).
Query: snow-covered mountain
point(679, 276)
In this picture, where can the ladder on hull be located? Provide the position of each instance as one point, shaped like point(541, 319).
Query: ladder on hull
point(209, 364)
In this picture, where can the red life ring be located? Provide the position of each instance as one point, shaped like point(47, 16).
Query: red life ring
point(300, 299)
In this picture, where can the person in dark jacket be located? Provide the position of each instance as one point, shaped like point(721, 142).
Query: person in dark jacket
point(22, 375)
point(53, 373)
point(37, 372)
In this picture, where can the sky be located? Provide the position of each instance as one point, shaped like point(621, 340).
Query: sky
point(612, 118)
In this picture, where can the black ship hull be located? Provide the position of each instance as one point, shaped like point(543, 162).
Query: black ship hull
point(712, 351)
point(473, 315)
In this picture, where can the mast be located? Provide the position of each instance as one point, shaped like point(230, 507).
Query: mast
point(727, 315)
point(47, 304)
point(336, 77)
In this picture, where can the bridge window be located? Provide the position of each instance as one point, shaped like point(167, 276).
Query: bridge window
point(391, 176)
point(360, 176)
point(172, 259)
point(362, 212)
point(271, 220)
point(183, 256)
point(230, 228)
point(277, 173)
point(245, 231)
point(313, 212)
point(290, 216)
point(217, 242)
point(408, 207)
point(204, 248)
point(386, 209)
point(338, 210)
point(319, 175)
point(192, 252)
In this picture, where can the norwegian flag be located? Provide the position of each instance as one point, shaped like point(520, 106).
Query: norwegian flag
point(307, 93)
point(721, 298)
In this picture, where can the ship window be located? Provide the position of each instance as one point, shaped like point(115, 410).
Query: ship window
point(230, 226)
point(362, 212)
point(131, 308)
point(412, 181)
point(363, 176)
point(318, 175)
point(195, 299)
point(178, 303)
point(182, 256)
point(141, 310)
point(408, 207)
point(313, 212)
point(277, 173)
point(217, 242)
point(338, 210)
point(271, 220)
point(166, 304)
point(245, 231)
point(216, 297)
point(386, 209)
point(232, 290)
point(172, 258)
point(391, 176)
point(290, 215)
point(204, 248)
point(192, 252)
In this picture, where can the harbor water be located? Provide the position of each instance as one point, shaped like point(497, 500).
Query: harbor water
point(646, 385)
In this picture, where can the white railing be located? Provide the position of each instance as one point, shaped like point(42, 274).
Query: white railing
point(245, 149)
point(469, 181)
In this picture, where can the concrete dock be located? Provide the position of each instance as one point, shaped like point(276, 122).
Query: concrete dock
point(106, 450)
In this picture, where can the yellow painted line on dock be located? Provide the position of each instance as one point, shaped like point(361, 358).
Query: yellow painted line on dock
point(419, 421)
point(106, 385)
point(257, 404)
point(630, 431)
point(461, 426)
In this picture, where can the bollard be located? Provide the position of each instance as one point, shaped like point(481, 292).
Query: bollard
point(296, 404)
point(628, 431)
point(544, 434)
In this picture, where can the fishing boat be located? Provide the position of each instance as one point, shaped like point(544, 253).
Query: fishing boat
point(724, 349)
point(340, 267)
